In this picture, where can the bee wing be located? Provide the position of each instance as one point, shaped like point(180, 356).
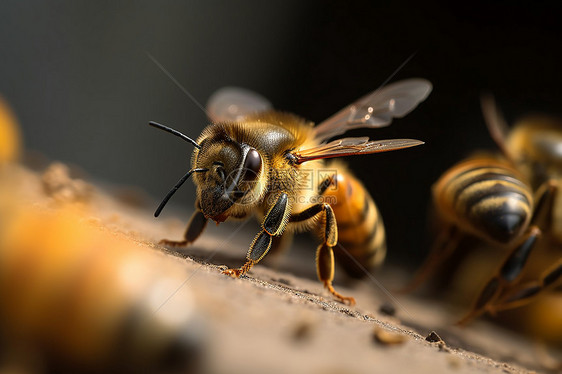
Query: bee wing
point(376, 109)
point(234, 103)
point(352, 146)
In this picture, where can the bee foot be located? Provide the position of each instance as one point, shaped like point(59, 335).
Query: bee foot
point(344, 299)
point(347, 300)
point(234, 273)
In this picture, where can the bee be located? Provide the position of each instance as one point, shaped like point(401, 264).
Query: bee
point(74, 296)
point(510, 201)
point(252, 159)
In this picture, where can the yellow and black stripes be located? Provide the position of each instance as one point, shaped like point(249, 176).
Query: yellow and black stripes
point(360, 226)
point(485, 197)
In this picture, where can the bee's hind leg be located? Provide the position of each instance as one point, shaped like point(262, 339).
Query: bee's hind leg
point(325, 271)
point(195, 227)
point(325, 253)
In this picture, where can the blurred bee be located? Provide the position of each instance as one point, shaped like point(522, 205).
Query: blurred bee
point(74, 298)
point(508, 201)
point(10, 138)
point(252, 159)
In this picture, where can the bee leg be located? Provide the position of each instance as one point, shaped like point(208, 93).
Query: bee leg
point(325, 271)
point(329, 181)
point(258, 249)
point(524, 293)
point(544, 203)
point(195, 227)
point(273, 226)
point(443, 247)
point(325, 253)
point(507, 274)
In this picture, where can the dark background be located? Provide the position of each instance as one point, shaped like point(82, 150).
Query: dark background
point(79, 79)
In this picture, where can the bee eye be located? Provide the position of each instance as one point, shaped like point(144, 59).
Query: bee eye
point(252, 164)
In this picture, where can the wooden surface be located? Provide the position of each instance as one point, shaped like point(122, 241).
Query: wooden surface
point(279, 319)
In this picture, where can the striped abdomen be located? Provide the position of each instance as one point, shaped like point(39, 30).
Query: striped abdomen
point(486, 197)
point(360, 226)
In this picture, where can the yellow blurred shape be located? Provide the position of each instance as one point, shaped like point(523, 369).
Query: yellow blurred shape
point(541, 319)
point(10, 140)
point(84, 293)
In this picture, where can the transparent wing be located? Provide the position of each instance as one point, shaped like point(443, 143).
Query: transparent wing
point(352, 146)
point(234, 103)
point(376, 109)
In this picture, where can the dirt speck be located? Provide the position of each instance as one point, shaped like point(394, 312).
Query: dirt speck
point(303, 331)
point(386, 337)
point(432, 337)
point(387, 309)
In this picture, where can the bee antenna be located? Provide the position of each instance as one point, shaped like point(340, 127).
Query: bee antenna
point(174, 132)
point(175, 188)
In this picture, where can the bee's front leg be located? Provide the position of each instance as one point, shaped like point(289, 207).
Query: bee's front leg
point(273, 225)
point(195, 227)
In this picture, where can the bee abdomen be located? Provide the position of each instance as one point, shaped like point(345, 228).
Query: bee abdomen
point(361, 235)
point(486, 198)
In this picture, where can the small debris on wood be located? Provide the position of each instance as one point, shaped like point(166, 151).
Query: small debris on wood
point(387, 309)
point(434, 338)
point(443, 347)
point(302, 331)
point(386, 337)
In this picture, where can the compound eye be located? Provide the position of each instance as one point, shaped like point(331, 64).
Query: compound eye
point(252, 164)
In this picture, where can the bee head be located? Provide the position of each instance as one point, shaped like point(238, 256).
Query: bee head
point(234, 179)
point(228, 174)
point(536, 147)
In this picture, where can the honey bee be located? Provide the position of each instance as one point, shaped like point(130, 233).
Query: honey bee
point(511, 201)
point(76, 298)
point(252, 159)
